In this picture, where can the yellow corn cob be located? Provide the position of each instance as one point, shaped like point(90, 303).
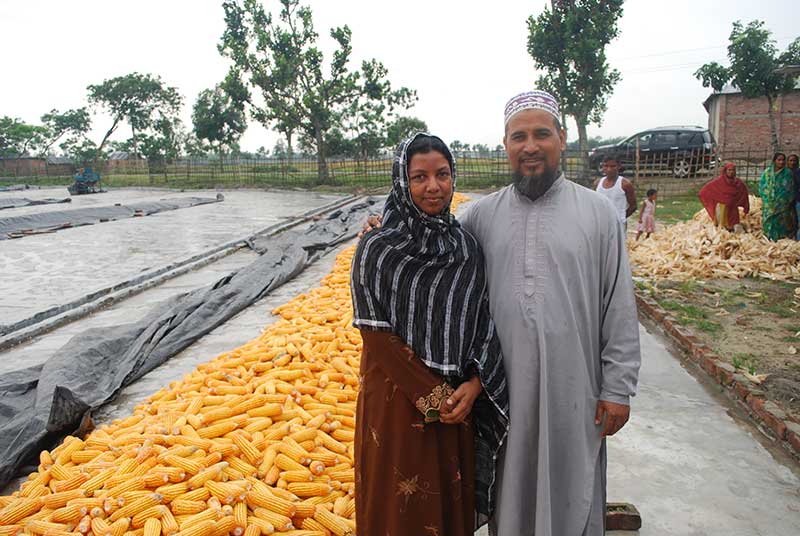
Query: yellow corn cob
point(332, 522)
point(100, 527)
point(209, 514)
point(240, 515)
point(264, 526)
point(58, 500)
point(156, 512)
point(288, 464)
point(136, 506)
point(199, 494)
point(19, 509)
point(268, 500)
point(188, 465)
point(253, 530)
point(171, 491)
point(247, 448)
point(152, 527)
point(309, 489)
point(181, 507)
point(98, 481)
point(67, 514)
point(169, 524)
point(309, 523)
point(40, 527)
point(224, 526)
point(347, 475)
point(212, 473)
point(203, 528)
point(297, 476)
point(280, 522)
point(119, 527)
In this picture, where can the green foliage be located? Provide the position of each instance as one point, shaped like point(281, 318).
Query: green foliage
point(595, 141)
point(283, 61)
point(567, 41)
point(19, 139)
point(145, 103)
point(753, 60)
point(403, 127)
point(73, 123)
point(218, 114)
point(713, 75)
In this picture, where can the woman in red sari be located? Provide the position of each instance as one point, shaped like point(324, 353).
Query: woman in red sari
point(723, 196)
point(433, 406)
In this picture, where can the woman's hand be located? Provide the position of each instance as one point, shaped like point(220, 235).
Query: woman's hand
point(374, 221)
point(458, 406)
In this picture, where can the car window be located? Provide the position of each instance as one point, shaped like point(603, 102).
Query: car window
point(687, 139)
point(665, 139)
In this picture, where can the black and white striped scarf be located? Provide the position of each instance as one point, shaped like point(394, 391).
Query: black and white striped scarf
point(422, 277)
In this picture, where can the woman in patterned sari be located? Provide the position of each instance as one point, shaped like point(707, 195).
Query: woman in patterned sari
point(433, 406)
point(777, 195)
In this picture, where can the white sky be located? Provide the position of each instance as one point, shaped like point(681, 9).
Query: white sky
point(464, 58)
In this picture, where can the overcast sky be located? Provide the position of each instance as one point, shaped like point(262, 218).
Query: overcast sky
point(464, 58)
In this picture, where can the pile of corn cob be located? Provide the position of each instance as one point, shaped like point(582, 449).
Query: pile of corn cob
point(257, 441)
point(696, 249)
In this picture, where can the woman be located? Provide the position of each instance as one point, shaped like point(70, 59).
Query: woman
point(433, 406)
point(723, 196)
point(777, 195)
point(793, 163)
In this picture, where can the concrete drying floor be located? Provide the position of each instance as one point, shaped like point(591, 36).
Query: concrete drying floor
point(51, 269)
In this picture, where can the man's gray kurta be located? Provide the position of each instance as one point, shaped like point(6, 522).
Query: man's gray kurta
point(562, 299)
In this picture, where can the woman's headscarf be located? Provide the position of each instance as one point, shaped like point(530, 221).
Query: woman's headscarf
point(726, 191)
point(422, 278)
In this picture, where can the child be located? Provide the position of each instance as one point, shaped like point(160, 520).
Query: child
point(647, 216)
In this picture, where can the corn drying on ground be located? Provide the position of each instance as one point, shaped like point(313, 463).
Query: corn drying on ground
point(257, 441)
point(698, 249)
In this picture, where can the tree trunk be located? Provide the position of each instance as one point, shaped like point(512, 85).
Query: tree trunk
point(773, 128)
point(322, 163)
point(564, 126)
point(289, 149)
point(583, 143)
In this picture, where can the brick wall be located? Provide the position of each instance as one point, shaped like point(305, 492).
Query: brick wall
point(744, 123)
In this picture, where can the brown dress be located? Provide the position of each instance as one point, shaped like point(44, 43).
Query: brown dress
point(413, 478)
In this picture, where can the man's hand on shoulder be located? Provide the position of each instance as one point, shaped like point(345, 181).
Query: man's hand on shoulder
point(616, 415)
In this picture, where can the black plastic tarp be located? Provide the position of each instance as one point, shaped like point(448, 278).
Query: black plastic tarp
point(16, 202)
point(40, 404)
point(17, 226)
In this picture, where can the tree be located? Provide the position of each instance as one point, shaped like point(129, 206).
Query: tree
point(753, 59)
point(19, 139)
point(284, 62)
point(72, 123)
point(403, 127)
point(141, 100)
point(218, 114)
point(568, 42)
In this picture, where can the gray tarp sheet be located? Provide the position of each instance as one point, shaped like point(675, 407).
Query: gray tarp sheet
point(40, 404)
point(14, 226)
point(14, 202)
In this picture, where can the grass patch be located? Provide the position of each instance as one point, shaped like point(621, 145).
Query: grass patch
point(692, 315)
point(743, 361)
point(678, 208)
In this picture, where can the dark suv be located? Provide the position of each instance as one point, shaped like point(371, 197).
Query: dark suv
point(678, 150)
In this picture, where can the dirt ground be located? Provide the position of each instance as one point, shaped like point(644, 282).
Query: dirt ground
point(753, 324)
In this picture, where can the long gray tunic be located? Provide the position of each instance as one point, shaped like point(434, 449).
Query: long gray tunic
point(561, 295)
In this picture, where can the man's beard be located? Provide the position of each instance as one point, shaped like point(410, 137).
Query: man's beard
point(533, 187)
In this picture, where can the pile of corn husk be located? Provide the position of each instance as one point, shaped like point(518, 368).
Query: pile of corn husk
point(696, 249)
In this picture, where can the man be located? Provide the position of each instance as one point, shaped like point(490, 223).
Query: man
point(617, 189)
point(561, 296)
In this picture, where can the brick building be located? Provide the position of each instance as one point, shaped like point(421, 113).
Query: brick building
point(741, 124)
